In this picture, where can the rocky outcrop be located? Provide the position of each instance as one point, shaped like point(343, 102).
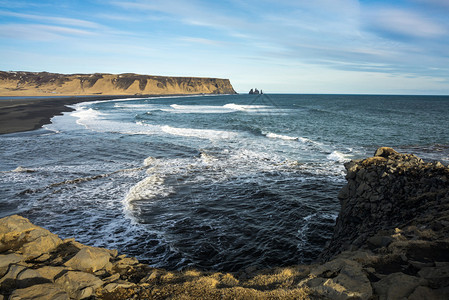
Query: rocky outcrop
point(36, 264)
point(53, 84)
point(387, 192)
point(391, 241)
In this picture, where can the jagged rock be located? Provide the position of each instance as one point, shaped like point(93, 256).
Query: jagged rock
point(21, 277)
point(30, 277)
point(385, 152)
point(79, 285)
point(339, 279)
point(40, 292)
point(18, 234)
point(437, 276)
point(397, 286)
point(115, 285)
point(390, 190)
point(364, 257)
point(379, 241)
point(8, 259)
point(49, 272)
point(123, 265)
point(8, 281)
point(424, 293)
point(112, 278)
point(90, 259)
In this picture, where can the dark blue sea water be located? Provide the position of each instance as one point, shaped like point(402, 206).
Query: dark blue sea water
point(212, 182)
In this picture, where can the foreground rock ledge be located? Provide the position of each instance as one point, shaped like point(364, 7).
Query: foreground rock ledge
point(391, 241)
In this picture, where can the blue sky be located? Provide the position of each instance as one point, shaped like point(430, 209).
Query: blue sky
point(319, 46)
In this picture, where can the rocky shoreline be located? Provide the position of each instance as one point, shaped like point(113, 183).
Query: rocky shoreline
point(391, 241)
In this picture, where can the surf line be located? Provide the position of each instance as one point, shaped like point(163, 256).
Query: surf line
point(80, 180)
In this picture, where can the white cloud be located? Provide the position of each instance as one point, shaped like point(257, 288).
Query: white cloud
point(57, 20)
point(405, 23)
point(201, 41)
point(38, 32)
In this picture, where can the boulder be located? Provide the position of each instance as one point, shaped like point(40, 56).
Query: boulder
point(50, 272)
point(339, 279)
point(20, 235)
point(397, 286)
point(422, 293)
point(385, 152)
point(79, 285)
point(120, 284)
point(90, 259)
point(21, 277)
point(437, 276)
point(7, 260)
point(8, 281)
point(40, 292)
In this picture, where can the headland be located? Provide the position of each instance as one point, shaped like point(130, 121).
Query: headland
point(28, 100)
point(391, 241)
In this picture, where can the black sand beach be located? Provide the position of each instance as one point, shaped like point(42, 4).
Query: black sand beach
point(18, 114)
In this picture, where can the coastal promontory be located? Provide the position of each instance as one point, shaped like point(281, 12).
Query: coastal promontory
point(19, 83)
point(391, 241)
point(28, 100)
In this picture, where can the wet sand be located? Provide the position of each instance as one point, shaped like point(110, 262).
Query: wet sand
point(18, 114)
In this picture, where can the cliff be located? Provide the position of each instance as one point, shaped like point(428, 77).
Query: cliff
point(53, 84)
point(391, 241)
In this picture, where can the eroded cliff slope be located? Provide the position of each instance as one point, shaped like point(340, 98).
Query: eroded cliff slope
point(53, 84)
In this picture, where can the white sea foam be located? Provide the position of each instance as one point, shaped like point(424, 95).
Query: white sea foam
point(88, 117)
point(198, 109)
point(306, 140)
point(199, 133)
point(147, 98)
point(149, 161)
point(339, 157)
point(133, 106)
point(208, 158)
point(147, 189)
point(210, 109)
point(282, 137)
point(239, 107)
point(84, 114)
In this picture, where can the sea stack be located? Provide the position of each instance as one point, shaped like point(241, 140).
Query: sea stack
point(254, 92)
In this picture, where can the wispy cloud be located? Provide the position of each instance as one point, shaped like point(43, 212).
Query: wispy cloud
point(201, 41)
point(49, 19)
point(40, 32)
point(405, 23)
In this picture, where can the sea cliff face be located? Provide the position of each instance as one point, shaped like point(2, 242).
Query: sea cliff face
point(390, 191)
point(53, 84)
point(391, 241)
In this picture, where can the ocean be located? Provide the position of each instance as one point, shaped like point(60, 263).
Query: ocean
point(217, 182)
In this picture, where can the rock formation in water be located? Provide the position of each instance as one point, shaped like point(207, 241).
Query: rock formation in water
point(391, 241)
point(53, 84)
point(254, 92)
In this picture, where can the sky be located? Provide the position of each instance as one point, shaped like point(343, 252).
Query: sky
point(280, 46)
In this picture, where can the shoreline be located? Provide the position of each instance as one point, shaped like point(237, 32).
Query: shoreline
point(391, 241)
point(20, 113)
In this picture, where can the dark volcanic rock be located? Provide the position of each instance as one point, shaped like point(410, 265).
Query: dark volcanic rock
point(388, 191)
